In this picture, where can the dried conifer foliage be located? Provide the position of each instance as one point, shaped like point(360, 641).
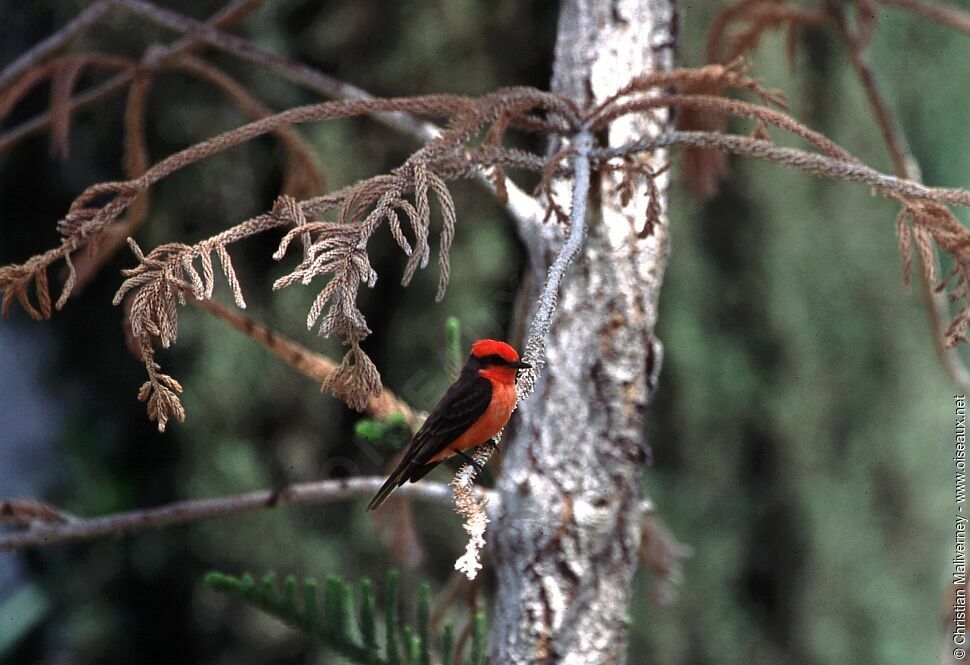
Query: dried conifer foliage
point(333, 229)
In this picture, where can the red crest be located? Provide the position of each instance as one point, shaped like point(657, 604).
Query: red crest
point(489, 347)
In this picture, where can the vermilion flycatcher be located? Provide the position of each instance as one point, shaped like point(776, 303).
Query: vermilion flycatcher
point(473, 410)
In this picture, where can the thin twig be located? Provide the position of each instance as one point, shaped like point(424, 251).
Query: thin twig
point(27, 512)
point(182, 512)
point(935, 11)
point(535, 350)
point(95, 220)
point(903, 162)
point(819, 165)
point(905, 166)
point(301, 167)
point(473, 509)
point(44, 49)
point(524, 208)
point(292, 70)
point(229, 14)
point(313, 365)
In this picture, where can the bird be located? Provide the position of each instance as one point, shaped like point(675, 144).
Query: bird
point(473, 410)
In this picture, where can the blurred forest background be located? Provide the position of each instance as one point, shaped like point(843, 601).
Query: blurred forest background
point(801, 434)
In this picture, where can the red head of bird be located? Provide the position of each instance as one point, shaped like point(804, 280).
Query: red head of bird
point(496, 361)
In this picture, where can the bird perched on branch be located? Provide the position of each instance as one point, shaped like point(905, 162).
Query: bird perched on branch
point(473, 410)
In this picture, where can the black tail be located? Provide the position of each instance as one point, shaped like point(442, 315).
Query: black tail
point(395, 480)
point(405, 471)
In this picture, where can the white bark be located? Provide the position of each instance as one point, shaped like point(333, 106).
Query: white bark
point(568, 530)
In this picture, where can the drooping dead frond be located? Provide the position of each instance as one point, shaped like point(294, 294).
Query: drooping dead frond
point(335, 229)
point(335, 250)
point(733, 75)
point(161, 395)
point(654, 205)
point(925, 224)
point(701, 106)
point(739, 27)
point(16, 280)
point(63, 73)
point(633, 173)
point(356, 380)
point(555, 167)
point(164, 279)
point(340, 253)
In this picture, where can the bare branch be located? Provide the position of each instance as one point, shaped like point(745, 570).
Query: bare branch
point(229, 14)
point(727, 106)
point(520, 205)
point(44, 49)
point(26, 512)
point(905, 166)
point(903, 162)
point(291, 70)
point(183, 512)
point(303, 176)
point(313, 365)
point(524, 209)
point(819, 165)
point(935, 11)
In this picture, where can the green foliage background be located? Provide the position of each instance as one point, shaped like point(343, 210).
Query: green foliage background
point(800, 434)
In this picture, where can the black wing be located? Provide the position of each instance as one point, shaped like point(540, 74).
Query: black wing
point(461, 405)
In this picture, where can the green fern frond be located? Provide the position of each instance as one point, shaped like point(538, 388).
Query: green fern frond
point(424, 623)
point(333, 623)
point(334, 628)
point(368, 620)
point(447, 643)
point(311, 610)
point(479, 644)
point(390, 619)
point(412, 645)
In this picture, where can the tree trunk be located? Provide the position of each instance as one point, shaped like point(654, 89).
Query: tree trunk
point(567, 537)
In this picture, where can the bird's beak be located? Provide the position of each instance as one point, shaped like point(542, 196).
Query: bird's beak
point(521, 365)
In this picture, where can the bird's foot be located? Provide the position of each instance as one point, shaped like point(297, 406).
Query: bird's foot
point(478, 467)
